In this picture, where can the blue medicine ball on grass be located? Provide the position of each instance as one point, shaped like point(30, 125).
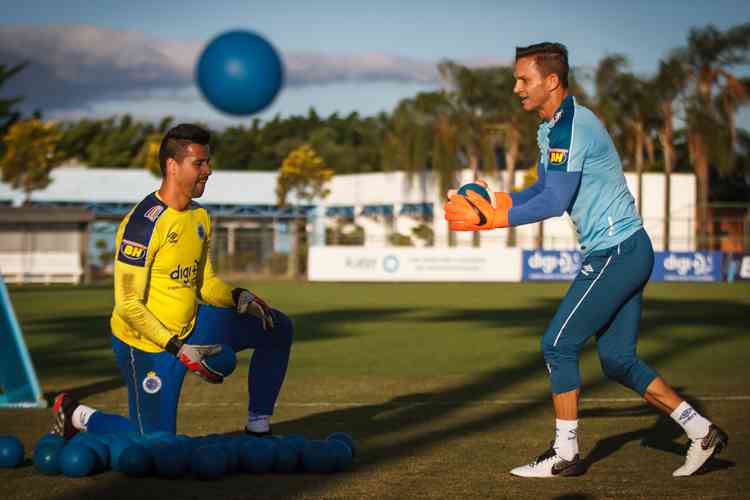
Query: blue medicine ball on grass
point(50, 439)
point(77, 460)
point(116, 446)
point(101, 452)
point(342, 454)
point(257, 455)
point(11, 452)
point(47, 458)
point(318, 457)
point(239, 72)
point(296, 441)
point(170, 461)
point(136, 461)
point(346, 439)
point(223, 362)
point(287, 457)
point(208, 463)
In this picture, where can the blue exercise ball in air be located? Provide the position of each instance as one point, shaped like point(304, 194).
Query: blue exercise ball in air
point(239, 72)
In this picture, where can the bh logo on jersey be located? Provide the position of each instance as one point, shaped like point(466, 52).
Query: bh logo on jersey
point(132, 251)
point(558, 156)
point(187, 274)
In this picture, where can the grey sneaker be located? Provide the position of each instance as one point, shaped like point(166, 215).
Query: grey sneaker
point(701, 450)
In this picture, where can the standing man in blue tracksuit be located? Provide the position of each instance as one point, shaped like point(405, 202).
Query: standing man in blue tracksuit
point(580, 173)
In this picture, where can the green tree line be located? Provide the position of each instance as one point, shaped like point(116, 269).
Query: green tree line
point(681, 117)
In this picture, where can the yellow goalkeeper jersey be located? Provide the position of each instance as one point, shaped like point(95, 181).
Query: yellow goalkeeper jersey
point(162, 270)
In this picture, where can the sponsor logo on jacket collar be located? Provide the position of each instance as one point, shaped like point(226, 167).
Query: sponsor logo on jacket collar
point(153, 213)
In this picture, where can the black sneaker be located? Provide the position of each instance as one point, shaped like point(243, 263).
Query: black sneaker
point(62, 415)
point(549, 464)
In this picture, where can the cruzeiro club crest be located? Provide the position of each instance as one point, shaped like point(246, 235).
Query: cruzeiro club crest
point(201, 232)
point(152, 383)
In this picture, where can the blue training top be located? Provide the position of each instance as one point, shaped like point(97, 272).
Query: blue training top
point(579, 172)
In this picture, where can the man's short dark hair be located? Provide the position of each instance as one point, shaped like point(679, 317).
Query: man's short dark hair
point(175, 143)
point(549, 57)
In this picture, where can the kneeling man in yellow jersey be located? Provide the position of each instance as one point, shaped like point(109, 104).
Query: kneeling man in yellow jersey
point(171, 310)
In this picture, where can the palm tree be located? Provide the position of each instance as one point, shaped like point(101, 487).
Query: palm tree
point(667, 85)
point(710, 55)
point(607, 80)
point(627, 106)
point(475, 94)
point(422, 135)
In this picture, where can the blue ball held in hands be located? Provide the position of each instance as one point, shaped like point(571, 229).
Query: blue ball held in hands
point(477, 188)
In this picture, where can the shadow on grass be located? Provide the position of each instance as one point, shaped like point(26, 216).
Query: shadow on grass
point(80, 346)
point(81, 392)
point(380, 428)
point(664, 435)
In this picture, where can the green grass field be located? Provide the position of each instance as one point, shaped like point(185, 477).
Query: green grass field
point(442, 385)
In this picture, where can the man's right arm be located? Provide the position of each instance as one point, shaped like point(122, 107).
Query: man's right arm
point(130, 293)
point(138, 244)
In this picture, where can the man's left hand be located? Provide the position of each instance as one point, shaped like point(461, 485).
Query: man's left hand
point(249, 303)
point(474, 213)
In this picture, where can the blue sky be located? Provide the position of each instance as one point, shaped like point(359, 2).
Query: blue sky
point(106, 57)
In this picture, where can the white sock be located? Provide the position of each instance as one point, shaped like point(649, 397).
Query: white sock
point(258, 423)
point(81, 416)
point(566, 438)
point(693, 423)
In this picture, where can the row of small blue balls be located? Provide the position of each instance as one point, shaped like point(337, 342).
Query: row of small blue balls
point(173, 456)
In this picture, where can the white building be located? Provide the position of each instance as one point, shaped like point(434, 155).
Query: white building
point(393, 193)
point(381, 203)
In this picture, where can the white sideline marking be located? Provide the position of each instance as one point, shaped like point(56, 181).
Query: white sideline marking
point(475, 402)
point(490, 402)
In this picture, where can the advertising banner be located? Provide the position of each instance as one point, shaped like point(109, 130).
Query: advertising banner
point(341, 263)
point(550, 265)
point(687, 266)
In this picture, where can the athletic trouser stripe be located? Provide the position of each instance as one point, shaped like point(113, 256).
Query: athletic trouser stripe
point(135, 390)
point(559, 334)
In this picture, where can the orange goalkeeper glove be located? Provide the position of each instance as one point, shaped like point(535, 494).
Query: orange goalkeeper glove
point(474, 213)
